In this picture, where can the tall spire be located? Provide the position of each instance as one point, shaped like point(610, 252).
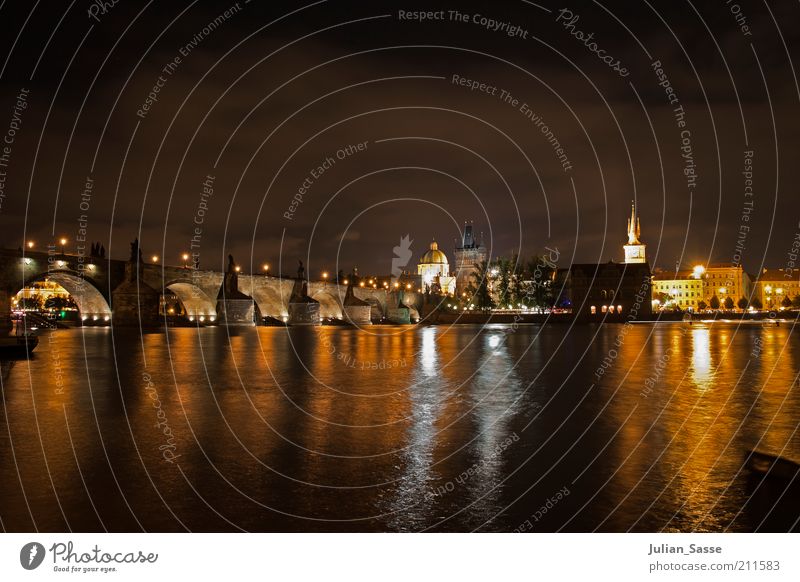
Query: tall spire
point(634, 229)
point(635, 248)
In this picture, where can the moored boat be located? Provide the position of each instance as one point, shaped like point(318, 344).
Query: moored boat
point(770, 465)
point(18, 346)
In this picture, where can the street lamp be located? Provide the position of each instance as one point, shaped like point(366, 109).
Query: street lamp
point(325, 275)
point(265, 268)
point(154, 258)
point(30, 244)
point(185, 257)
point(63, 242)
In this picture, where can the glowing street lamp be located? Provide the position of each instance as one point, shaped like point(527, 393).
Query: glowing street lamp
point(265, 268)
point(63, 242)
point(154, 258)
point(30, 244)
point(237, 268)
point(325, 275)
point(185, 257)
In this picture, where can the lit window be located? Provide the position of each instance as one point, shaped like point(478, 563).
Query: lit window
point(593, 309)
point(604, 309)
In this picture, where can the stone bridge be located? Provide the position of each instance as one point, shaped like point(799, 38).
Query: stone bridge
point(92, 281)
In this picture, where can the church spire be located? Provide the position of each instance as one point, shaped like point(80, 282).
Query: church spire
point(635, 248)
point(634, 228)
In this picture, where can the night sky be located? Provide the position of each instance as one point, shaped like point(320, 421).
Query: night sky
point(259, 100)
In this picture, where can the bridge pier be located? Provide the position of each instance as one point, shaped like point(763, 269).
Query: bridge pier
point(134, 302)
point(235, 312)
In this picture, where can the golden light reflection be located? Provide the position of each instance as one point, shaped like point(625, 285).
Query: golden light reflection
point(429, 355)
point(701, 359)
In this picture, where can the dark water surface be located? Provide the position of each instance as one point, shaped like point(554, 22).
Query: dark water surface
point(397, 428)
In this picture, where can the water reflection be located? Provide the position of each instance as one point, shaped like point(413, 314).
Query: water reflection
point(701, 358)
point(429, 428)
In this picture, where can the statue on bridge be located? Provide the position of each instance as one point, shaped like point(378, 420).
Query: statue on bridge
point(230, 285)
point(301, 271)
point(231, 278)
point(134, 301)
point(136, 252)
point(233, 306)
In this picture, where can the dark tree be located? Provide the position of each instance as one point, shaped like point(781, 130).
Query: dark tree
point(714, 302)
point(32, 303)
point(728, 303)
point(787, 303)
point(479, 286)
point(59, 302)
point(756, 303)
point(701, 305)
point(742, 303)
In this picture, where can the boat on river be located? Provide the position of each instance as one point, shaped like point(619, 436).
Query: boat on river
point(769, 465)
point(17, 346)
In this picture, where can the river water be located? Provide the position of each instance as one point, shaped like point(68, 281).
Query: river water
point(489, 428)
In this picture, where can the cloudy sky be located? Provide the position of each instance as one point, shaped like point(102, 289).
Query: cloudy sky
point(259, 98)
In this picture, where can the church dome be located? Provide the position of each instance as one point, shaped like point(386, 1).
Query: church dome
point(434, 256)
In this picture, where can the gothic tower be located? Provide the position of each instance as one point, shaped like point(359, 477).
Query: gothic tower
point(635, 249)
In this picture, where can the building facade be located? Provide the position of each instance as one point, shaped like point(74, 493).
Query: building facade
point(596, 291)
point(434, 271)
point(470, 253)
point(682, 290)
point(773, 286)
point(725, 280)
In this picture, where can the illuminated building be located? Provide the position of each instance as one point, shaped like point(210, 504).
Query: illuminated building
point(434, 270)
point(773, 286)
point(725, 280)
point(635, 249)
point(682, 289)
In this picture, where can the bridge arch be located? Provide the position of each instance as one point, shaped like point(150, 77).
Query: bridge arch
point(329, 304)
point(196, 302)
point(270, 302)
point(91, 302)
